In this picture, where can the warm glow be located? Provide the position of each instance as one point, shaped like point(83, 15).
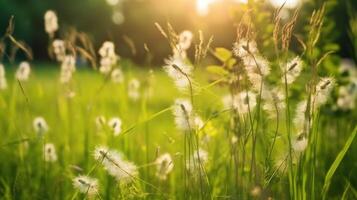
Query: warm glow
point(288, 4)
point(202, 6)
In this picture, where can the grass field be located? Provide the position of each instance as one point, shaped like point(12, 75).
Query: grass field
point(148, 131)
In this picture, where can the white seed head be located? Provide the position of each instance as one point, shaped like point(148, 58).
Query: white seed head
point(323, 90)
point(117, 76)
point(59, 49)
point(164, 165)
point(3, 82)
point(244, 47)
point(197, 161)
point(51, 22)
point(185, 39)
point(49, 151)
point(179, 72)
point(86, 185)
point(292, 70)
point(183, 113)
point(243, 102)
point(133, 89)
point(40, 125)
point(299, 144)
point(115, 125)
point(23, 72)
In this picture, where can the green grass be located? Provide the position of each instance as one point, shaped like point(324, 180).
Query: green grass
point(148, 131)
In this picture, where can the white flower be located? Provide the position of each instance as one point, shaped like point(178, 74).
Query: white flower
point(244, 47)
point(3, 82)
point(23, 72)
point(59, 49)
point(50, 152)
point(86, 185)
point(323, 90)
point(164, 165)
point(183, 113)
point(185, 39)
point(299, 144)
point(115, 125)
point(114, 163)
point(243, 102)
point(179, 72)
point(40, 125)
point(292, 70)
point(117, 76)
point(51, 22)
point(133, 89)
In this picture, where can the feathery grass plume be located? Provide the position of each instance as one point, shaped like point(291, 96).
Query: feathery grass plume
point(274, 101)
point(3, 82)
point(164, 165)
point(40, 125)
point(197, 161)
point(287, 31)
point(100, 122)
point(134, 89)
point(114, 163)
point(67, 68)
point(117, 76)
point(201, 49)
point(244, 47)
point(185, 39)
point(183, 113)
point(323, 90)
point(23, 72)
point(243, 102)
point(300, 143)
point(115, 125)
point(292, 70)
point(49, 152)
point(108, 57)
point(299, 119)
point(59, 49)
point(86, 185)
point(179, 71)
point(51, 22)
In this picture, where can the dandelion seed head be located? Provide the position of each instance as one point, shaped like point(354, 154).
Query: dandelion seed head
point(244, 47)
point(164, 165)
point(50, 154)
point(323, 90)
point(51, 22)
point(23, 72)
point(274, 101)
point(86, 185)
point(40, 125)
point(182, 111)
point(117, 76)
point(243, 102)
point(185, 39)
point(292, 70)
point(181, 81)
point(115, 125)
point(134, 89)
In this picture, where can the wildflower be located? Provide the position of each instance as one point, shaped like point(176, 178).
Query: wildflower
point(117, 76)
point(3, 82)
point(23, 72)
point(164, 165)
point(100, 122)
point(299, 144)
point(50, 153)
point(244, 47)
point(198, 159)
point(86, 185)
point(115, 125)
point(185, 40)
point(40, 125)
point(323, 90)
point(243, 102)
point(183, 113)
point(133, 89)
point(113, 162)
point(51, 22)
point(179, 71)
point(59, 49)
point(292, 70)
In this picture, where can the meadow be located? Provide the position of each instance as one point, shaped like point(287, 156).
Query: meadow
point(253, 124)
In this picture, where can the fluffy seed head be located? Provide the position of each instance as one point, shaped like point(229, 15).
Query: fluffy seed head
point(244, 47)
point(243, 102)
point(40, 125)
point(115, 125)
point(86, 185)
point(179, 72)
point(51, 22)
point(164, 165)
point(134, 89)
point(49, 151)
point(183, 113)
point(292, 70)
point(23, 72)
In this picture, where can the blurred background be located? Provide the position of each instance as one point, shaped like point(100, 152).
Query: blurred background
point(133, 20)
